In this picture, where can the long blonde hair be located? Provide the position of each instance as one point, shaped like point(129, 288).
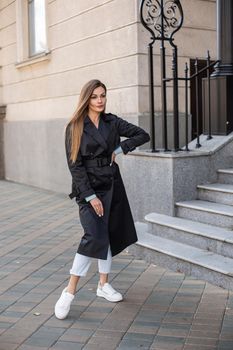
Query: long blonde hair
point(76, 123)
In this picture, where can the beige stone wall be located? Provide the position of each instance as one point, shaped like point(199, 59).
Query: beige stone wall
point(95, 38)
point(87, 39)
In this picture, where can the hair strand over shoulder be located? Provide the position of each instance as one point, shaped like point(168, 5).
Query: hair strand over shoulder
point(76, 123)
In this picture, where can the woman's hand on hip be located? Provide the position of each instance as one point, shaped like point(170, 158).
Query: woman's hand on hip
point(113, 157)
point(97, 206)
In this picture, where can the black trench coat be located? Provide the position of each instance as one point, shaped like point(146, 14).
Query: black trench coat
point(116, 226)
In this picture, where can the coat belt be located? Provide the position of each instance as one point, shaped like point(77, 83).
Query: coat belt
point(97, 162)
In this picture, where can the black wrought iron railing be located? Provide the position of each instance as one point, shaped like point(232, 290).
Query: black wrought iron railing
point(196, 77)
point(163, 18)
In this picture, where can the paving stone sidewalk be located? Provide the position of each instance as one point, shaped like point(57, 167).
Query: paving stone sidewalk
point(162, 310)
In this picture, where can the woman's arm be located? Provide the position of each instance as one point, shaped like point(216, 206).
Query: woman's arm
point(136, 136)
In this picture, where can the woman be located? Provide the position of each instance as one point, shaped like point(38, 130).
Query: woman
point(92, 143)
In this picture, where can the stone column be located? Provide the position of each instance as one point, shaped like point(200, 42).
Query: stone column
point(224, 38)
point(2, 162)
point(221, 83)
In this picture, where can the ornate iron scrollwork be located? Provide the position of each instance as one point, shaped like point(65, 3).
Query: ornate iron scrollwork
point(162, 18)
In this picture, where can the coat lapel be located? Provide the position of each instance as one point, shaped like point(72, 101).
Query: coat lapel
point(91, 130)
point(105, 129)
point(108, 127)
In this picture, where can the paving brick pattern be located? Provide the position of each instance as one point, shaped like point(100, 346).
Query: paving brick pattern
point(162, 310)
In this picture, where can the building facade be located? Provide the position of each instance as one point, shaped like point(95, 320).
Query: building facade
point(50, 48)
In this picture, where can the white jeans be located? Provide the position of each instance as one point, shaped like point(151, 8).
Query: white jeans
point(82, 263)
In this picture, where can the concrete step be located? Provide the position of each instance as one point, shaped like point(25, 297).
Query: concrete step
point(206, 212)
point(180, 257)
point(208, 237)
point(225, 176)
point(217, 192)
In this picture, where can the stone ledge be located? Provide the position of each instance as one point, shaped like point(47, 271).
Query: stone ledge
point(45, 56)
point(209, 147)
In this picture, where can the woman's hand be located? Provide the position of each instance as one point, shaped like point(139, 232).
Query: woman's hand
point(97, 206)
point(113, 157)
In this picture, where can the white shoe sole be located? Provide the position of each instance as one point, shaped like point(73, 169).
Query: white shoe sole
point(60, 317)
point(99, 293)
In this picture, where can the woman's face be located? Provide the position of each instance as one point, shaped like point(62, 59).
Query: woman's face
point(98, 100)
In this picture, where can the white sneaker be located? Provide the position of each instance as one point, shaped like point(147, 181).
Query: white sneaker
point(62, 306)
point(106, 291)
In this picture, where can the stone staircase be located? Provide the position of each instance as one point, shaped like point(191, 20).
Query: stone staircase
point(199, 240)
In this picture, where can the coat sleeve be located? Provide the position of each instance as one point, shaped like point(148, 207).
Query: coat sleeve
point(136, 136)
point(81, 186)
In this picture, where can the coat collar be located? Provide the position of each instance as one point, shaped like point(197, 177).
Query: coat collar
point(107, 117)
point(91, 129)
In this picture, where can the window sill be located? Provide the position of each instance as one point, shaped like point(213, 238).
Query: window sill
point(45, 56)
